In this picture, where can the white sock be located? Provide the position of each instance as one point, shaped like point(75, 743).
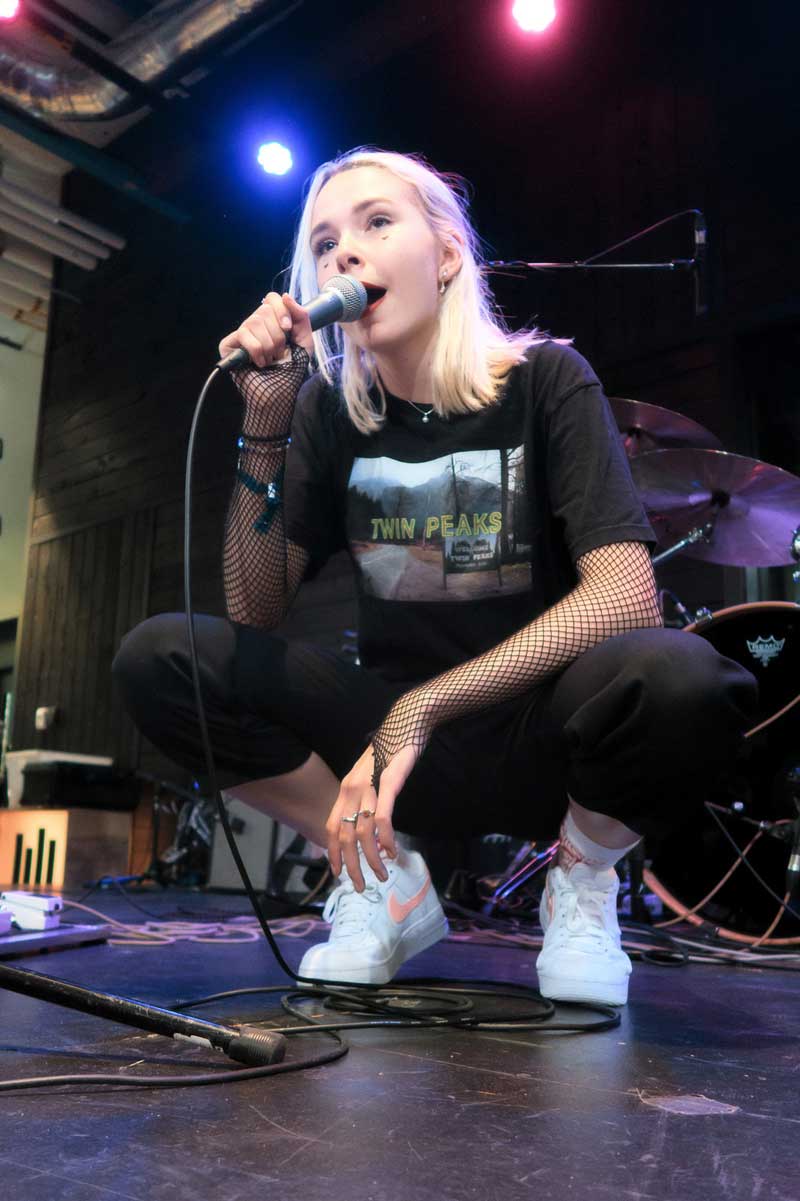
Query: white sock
point(577, 847)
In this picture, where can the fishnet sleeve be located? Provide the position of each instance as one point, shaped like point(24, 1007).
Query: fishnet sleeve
point(616, 592)
point(262, 568)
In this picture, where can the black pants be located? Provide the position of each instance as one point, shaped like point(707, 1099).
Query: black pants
point(637, 728)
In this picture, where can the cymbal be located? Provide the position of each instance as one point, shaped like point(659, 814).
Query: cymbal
point(645, 427)
point(754, 506)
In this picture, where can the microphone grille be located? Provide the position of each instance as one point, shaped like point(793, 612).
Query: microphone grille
point(353, 294)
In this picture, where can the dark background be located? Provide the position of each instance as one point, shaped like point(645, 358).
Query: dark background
point(623, 113)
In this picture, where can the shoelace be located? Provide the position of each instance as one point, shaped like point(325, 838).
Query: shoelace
point(586, 907)
point(347, 909)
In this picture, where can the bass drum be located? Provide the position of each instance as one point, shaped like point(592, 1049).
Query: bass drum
point(765, 638)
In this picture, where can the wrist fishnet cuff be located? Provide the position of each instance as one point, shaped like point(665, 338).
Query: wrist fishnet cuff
point(261, 569)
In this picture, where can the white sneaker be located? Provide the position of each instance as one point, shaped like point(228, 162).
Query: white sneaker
point(582, 957)
point(375, 931)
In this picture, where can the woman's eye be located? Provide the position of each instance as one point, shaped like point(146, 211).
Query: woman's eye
point(381, 218)
point(324, 246)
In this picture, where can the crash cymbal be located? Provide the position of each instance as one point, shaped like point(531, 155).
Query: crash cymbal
point(754, 506)
point(645, 427)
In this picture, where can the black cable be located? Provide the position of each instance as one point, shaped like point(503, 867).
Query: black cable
point(224, 1077)
point(641, 234)
point(456, 995)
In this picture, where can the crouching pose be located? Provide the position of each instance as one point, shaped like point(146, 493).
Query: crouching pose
point(513, 673)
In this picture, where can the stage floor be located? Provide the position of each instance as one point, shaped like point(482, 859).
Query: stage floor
point(693, 1096)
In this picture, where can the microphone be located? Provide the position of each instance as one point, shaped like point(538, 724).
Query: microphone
point(700, 264)
point(342, 299)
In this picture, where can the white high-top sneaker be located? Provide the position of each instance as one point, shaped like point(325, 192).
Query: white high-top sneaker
point(582, 958)
point(375, 931)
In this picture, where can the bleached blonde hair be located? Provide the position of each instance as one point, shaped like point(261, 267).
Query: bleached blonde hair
point(474, 350)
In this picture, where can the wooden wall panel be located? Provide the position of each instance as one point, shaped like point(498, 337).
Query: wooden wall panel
point(85, 589)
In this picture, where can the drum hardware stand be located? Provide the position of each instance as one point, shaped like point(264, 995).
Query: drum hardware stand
point(523, 867)
point(777, 830)
point(635, 860)
point(698, 534)
point(193, 819)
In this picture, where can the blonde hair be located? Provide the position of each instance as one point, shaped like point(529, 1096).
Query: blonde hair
point(474, 350)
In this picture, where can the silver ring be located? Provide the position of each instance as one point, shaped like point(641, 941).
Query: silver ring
point(366, 813)
point(352, 819)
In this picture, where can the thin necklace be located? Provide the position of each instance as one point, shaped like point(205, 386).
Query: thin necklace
point(426, 413)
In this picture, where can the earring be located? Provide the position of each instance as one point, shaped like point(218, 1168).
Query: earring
point(441, 285)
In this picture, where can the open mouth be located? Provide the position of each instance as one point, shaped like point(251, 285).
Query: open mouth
point(375, 295)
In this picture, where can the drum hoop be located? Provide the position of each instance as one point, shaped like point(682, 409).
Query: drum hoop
point(733, 611)
point(694, 919)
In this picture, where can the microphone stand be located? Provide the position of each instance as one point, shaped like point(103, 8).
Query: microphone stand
point(587, 265)
point(249, 1045)
point(697, 264)
point(246, 1044)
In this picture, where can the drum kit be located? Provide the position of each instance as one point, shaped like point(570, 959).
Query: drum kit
point(705, 503)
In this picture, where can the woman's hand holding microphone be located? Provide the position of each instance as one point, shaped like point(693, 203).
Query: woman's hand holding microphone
point(266, 333)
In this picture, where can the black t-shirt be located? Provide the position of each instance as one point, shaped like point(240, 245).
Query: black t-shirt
point(461, 531)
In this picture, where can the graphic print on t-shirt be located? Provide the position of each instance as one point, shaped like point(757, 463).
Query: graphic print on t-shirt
point(454, 528)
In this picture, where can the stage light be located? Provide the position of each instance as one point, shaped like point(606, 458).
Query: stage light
point(8, 9)
point(275, 158)
point(533, 16)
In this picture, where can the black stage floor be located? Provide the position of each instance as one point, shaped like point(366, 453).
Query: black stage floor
point(693, 1096)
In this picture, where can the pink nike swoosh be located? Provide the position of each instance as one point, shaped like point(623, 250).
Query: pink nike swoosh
point(399, 910)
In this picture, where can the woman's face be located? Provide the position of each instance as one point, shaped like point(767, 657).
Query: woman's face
point(366, 223)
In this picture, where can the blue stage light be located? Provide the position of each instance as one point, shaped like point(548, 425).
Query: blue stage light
point(275, 158)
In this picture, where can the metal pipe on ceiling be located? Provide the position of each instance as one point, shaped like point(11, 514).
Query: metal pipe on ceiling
point(55, 212)
point(157, 50)
point(83, 52)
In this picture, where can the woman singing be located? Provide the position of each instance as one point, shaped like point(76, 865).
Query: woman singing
point(513, 674)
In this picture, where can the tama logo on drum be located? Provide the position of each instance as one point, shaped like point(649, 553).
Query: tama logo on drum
point(765, 649)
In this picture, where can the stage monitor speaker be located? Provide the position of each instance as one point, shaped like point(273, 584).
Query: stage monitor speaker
point(254, 834)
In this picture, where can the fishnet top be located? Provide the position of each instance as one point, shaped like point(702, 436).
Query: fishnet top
point(616, 589)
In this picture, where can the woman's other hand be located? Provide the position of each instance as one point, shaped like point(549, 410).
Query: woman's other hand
point(373, 830)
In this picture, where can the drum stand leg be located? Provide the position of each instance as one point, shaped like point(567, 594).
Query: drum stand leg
point(635, 861)
point(526, 863)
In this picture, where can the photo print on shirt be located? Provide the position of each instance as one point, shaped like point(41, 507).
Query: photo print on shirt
point(453, 528)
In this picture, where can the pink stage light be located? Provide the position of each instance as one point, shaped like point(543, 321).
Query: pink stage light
point(8, 9)
point(533, 16)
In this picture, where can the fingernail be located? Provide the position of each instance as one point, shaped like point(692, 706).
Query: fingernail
point(286, 322)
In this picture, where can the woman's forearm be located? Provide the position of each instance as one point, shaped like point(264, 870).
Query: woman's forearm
point(616, 593)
